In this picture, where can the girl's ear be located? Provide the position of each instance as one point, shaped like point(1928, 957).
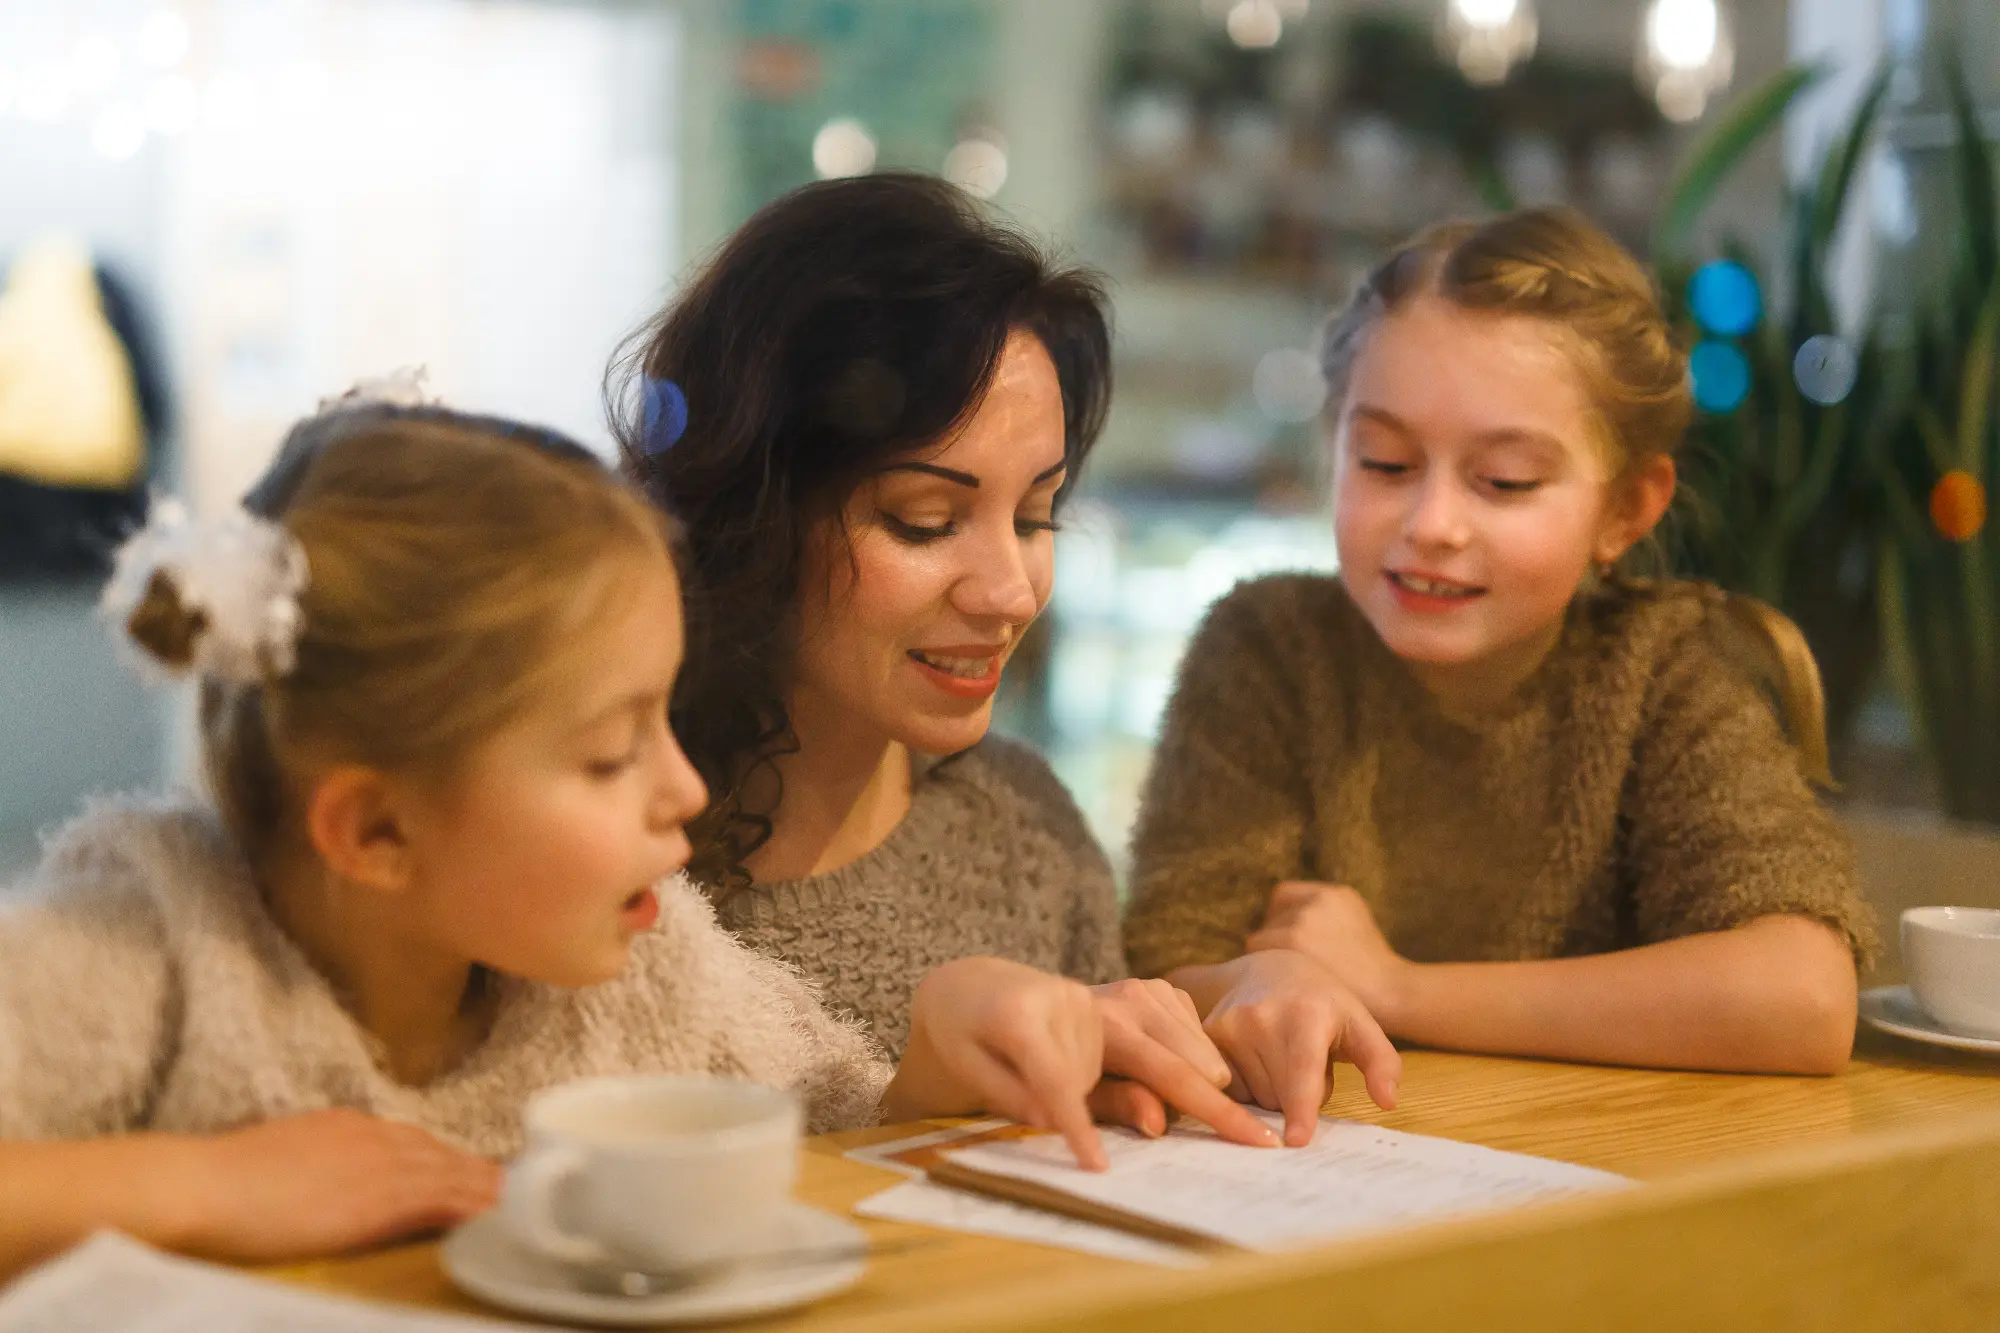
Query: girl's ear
point(353, 822)
point(1636, 509)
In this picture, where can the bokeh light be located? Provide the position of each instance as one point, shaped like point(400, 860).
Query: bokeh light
point(1724, 297)
point(120, 131)
point(1683, 33)
point(172, 104)
point(1958, 506)
point(164, 40)
point(976, 165)
point(1254, 24)
point(1288, 386)
point(95, 63)
point(1825, 369)
point(1721, 376)
point(843, 147)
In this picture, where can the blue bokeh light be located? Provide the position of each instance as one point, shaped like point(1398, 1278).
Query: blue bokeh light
point(1725, 298)
point(666, 415)
point(1825, 369)
point(1721, 376)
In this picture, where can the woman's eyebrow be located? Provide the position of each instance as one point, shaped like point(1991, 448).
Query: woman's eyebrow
point(966, 479)
point(932, 469)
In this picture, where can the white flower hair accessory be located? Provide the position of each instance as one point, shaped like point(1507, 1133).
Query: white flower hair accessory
point(217, 600)
point(406, 386)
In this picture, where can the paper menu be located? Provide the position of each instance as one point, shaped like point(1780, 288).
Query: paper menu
point(112, 1284)
point(919, 1200)
point(1352, 1178)
point(931, 1205)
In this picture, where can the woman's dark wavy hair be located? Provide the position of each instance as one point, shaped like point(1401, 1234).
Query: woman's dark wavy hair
point(847, 324)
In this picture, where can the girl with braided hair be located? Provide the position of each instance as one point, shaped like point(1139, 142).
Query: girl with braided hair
point(1518, 798)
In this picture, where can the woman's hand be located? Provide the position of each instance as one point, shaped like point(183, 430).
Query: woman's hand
point(1331, 924)
point(320, 1183)
point(987, 1034)
point(1153, 1037)
point(1282, 1020)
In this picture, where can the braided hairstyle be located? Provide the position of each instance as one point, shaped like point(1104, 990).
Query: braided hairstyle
point(1601, 308)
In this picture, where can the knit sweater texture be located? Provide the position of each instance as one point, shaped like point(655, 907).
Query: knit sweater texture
point(143, 985)
point(993, 858)
point(1637, 787)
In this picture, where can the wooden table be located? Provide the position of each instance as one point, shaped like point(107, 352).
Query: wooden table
point(1871, 1199)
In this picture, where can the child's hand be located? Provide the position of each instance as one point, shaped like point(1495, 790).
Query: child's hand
point(324, 1182)
point(989, 1034)
point(1282, 1021)
point(1153, 1037)
point(1331, 924)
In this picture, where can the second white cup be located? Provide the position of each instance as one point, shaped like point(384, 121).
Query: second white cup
point(1952, 957)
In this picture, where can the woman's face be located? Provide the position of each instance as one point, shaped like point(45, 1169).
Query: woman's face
point(1474, 492)
point(908, 618)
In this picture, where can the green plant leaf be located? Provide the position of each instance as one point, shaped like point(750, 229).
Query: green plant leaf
point(1897, 650)
point(1972, 164)
point(1494, 191)
point(1975, 402)
point(1718, 152)
point(1909, 523)
point(1797, 503)
point(1836, 172)
point(1812, 310)
point(1932, 434)
point(1976, 587)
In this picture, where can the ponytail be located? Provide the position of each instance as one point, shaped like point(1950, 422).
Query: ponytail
point(1785, 666)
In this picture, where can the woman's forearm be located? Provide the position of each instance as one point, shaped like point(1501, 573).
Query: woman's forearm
point(53, 1195)
point(1776, 995)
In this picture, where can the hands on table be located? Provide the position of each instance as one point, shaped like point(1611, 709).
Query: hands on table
point(999, 1036)
point(1332, 925)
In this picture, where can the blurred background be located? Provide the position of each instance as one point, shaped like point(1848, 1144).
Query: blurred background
point(212, 212)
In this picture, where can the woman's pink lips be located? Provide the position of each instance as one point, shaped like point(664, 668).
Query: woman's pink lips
point(963, 687)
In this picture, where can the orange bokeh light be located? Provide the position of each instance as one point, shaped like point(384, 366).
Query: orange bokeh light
point(1958, 506)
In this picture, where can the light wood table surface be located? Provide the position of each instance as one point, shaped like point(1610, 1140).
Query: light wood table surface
point(1692, 1132)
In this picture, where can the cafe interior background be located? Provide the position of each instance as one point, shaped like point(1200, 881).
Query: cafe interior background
point(212, 212)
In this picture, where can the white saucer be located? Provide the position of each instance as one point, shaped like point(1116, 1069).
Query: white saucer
point(1894, 1009)
point(485, 1260)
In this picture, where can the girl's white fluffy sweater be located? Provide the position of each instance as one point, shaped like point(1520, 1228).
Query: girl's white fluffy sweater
point(144, 986)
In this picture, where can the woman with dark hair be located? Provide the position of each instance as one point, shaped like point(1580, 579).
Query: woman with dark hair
point(865, 413)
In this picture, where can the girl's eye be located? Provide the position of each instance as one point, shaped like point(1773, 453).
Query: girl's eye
point(612, 766)
point(917, 534)
point(1384, 467)
point(1028, 527)
point(1512, 485)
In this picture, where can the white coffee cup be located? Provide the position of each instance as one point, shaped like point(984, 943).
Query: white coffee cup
point(653, 1172)
point(1952, 958)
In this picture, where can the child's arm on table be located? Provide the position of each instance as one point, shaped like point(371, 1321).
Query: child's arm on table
point(1742, 891)
point(1774, 995)
point(292, 1188)
point(86, 992)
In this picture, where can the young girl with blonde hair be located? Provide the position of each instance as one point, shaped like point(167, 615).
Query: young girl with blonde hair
point(1517, 799)
point(435, 874)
